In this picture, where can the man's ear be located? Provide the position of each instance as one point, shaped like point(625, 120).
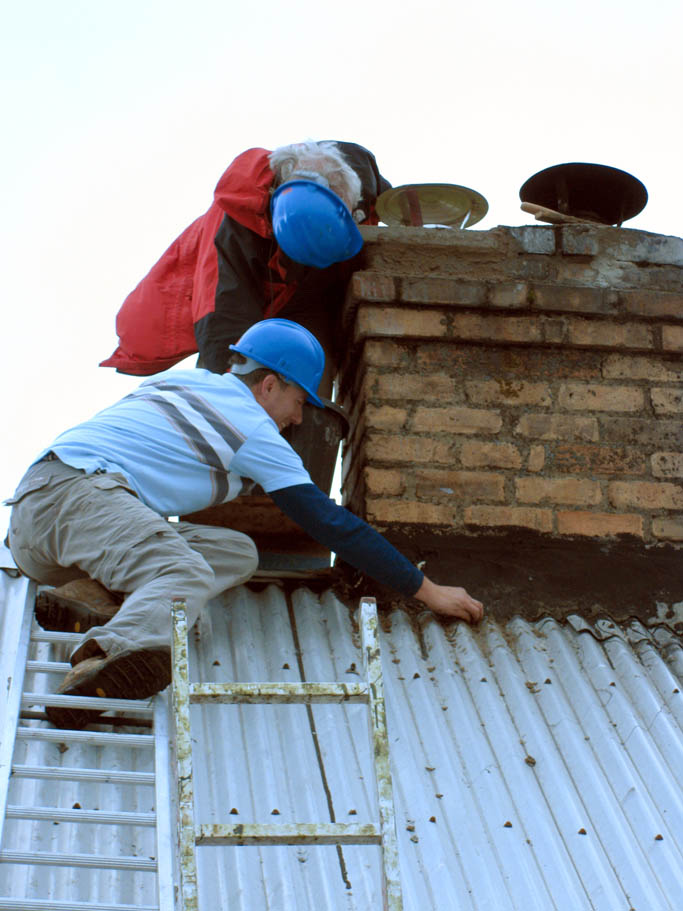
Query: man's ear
point(261, 391)
point(269, 382)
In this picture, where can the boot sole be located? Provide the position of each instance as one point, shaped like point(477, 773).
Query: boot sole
point(132, 675)
point(59, 614)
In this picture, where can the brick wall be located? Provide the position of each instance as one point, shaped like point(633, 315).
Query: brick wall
point(523, 377)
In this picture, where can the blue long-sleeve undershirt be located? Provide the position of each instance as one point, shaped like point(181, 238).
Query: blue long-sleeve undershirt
point(349, 537)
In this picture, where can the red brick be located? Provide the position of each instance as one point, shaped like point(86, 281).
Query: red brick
point(479, 326)
point(579, 240)
point(456, 420)
point(653, 433)
point(569, 491)
point(598, 524)
point(667, 401)
point(389, 512)
point(554, 330)
point(587, 397)
point(557, 427)
point(667, 464)
point(585, 458)
point(428, 290)
point(373, 286)
point(399, 321)
point(515, 516)
point(510, 296)
point(652, 303)
point(672, 338)
point(645, 495)
point(571, 298)
point(508, 392)
point(669, 529)
point(637, 367)
point(536, 459)
point(412, 386)
point(387, 353)
point(606, 334)
point(407, 448)
point(384, 481)
point(534, 238)
point(465, 485)
point(507, 361)
point(385, 417)
point(475, 454)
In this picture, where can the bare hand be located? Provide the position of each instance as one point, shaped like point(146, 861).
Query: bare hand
point(450, 601)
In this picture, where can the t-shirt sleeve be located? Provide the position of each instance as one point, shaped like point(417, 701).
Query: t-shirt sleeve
point(267, 458)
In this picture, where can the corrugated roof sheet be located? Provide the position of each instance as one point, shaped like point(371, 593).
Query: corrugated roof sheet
point(536, 765)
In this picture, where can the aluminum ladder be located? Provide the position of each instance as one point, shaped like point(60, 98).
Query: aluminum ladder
point(28, 649)
point(371, 692)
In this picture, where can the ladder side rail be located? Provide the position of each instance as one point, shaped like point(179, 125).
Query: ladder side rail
point(372, 662)
point(183, 742)
point(37, 904)
point(15, 647)
point(164, 805)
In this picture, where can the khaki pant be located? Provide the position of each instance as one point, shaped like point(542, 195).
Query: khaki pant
point(65, 525)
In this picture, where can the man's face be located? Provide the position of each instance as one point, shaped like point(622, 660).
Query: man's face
point(284, 404)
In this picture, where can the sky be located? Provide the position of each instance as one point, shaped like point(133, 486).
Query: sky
point(118, 119)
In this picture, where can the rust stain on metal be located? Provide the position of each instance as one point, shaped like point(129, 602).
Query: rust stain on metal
point(288, 834)
point(181, 713)
point(370, 651)
point(278, 693)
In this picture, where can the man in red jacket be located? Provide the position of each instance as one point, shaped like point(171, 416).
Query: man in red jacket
point(227, 270)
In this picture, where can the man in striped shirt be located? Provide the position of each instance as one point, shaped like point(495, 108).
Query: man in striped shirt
point(94, 506)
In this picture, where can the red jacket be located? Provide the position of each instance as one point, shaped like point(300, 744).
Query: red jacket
point(226, 272)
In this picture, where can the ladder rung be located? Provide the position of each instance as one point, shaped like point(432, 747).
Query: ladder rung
point(55, 814)
point(98, 861)
point(47, 635)
point(293, 834)
point(42, 904)
point(48, 667)
point(93, 738)
point(278, 693)
point(87, 702)
point(99, 775)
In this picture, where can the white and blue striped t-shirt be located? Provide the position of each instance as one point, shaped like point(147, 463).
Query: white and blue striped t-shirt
point(185, 439)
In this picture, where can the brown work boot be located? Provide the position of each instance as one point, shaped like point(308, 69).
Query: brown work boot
point(130, 675)
point(76, 606)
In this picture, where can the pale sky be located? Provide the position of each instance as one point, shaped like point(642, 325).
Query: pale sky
point(119, 118)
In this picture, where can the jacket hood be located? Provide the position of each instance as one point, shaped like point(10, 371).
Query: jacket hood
point(243, 192)
point(363, 163)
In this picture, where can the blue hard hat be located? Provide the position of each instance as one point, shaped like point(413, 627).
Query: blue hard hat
point(288, 349)
point(312, 224)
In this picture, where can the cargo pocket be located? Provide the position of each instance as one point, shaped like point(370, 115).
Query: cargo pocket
point(30, 483)
point(110, 482)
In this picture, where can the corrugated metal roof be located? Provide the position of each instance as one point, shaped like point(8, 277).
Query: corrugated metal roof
point(536, 765)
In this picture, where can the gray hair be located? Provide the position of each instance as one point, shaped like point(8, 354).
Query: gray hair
point(251, 372)
point(314, 160)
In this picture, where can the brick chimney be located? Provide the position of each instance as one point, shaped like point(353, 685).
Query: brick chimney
point(516, 399)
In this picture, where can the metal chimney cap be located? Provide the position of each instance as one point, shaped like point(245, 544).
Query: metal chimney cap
point(420, 204)
point(593, 191)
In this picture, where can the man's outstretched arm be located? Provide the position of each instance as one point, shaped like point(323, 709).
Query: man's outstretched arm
point(357, 543)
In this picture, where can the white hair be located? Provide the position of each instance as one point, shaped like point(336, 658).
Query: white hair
point(311, 159)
